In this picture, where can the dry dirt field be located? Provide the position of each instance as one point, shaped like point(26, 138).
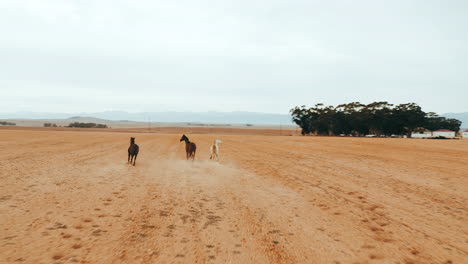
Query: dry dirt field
point(70, 197)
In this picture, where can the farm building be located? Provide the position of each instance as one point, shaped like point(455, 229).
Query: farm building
point(465, 133)
point(421, 134)
point(443, 133)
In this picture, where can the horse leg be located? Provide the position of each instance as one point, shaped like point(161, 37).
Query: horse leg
point(134, 160)
point(128, 160)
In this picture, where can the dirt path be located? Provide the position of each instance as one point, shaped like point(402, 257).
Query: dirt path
point(70, 197)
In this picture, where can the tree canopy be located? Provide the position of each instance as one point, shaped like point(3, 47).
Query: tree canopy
point(5, 123)
point(87, 125)
point(378, 118)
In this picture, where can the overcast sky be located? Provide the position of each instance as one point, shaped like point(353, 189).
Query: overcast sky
point(240, 55)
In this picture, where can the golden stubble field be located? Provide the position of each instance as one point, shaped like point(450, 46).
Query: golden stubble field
point(70, 197)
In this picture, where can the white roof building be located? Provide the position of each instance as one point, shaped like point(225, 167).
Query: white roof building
point(465, 133)
point(443, 133)
point(421, 134)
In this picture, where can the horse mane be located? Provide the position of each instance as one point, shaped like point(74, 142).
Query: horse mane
point(185, 138)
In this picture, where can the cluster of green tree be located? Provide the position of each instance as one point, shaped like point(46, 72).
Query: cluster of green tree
point(378, 118)
point(87, 125)
point(4, 123)
point(50, 125)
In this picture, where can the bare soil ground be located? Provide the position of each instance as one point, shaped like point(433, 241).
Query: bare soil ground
point(70, 197)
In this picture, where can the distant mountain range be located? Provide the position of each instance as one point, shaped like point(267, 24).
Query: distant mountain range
point(165, 117)
point(463, 117)
point(184, 117)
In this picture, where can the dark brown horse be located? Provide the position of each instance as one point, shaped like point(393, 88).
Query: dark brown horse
point(190, 147)
point(132, 151)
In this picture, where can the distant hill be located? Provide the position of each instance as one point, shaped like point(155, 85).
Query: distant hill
point(460, 116)
point(240, 118)
point(163, 117)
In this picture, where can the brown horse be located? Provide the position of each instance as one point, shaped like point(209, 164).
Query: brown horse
point(190, 147)
point(133, 151)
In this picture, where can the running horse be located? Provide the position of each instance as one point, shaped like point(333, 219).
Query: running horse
point(214, 149)
point(133, 151)
point(190, 147)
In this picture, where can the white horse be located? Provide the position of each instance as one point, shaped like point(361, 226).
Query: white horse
point(214, 149)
